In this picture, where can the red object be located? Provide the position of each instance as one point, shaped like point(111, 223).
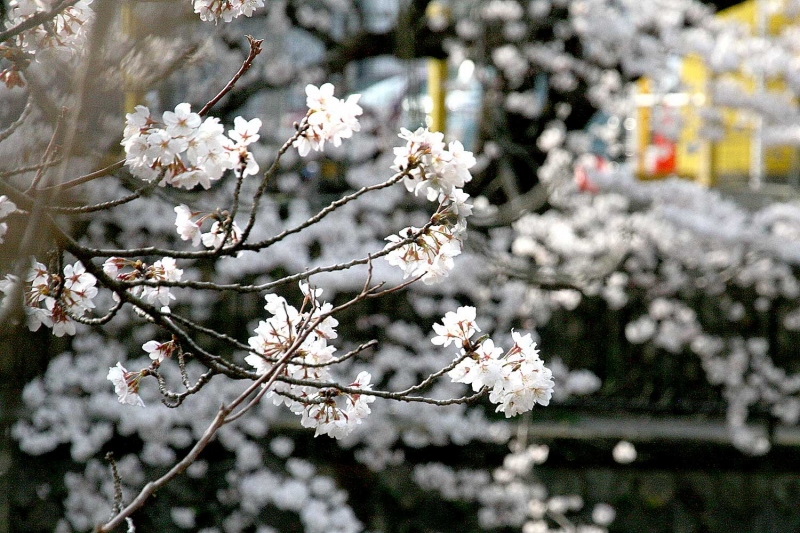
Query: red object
point(582, 177)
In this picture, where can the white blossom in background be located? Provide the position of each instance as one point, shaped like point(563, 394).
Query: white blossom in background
point(227, 10)
point(624, 452)
point(512, 495)
point(328, 119)
point(6, 208)
point(187, 151)
point(75, 290)
point(64, 36)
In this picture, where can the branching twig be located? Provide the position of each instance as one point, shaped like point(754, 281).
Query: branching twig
point(255, 49)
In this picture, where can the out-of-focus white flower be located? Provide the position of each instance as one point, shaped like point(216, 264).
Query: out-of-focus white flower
point(603, 514)
point(126, 385)
point(186, 227)
point(227, 10)
point(64, 35)
point(624, 452)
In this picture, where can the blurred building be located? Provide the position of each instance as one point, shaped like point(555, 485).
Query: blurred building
point(704, 127)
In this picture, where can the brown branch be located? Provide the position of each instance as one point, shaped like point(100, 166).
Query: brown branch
point(255, 49)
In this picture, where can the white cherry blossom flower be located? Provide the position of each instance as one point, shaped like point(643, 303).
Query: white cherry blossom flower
point(181, 122)
point(158, 351)
point(245, 131)
point(328, 119)
point(186, 227)
point(126, 385)
point(456, 326)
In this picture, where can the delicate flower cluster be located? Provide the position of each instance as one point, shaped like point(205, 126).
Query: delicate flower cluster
point(517, 379)
point(330, 411)
point(64, 34)
point(183, 150)
point(227, 10)
point(437, 169)
point(123, 269)
point(440, 171)
point(126, 384)
point(53, 300)
point(189, 229)
point(328, 119)
point(430, 255)
point(6, 208)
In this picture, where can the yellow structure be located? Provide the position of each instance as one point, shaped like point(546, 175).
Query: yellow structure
point(668, 138)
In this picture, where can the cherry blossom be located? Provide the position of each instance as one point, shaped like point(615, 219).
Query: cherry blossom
point(456, 326)
point(328, 119)
point(516, 380)
point(159, 351)
point(162, 270)
point(6, 208)
point(433, 167)
point(53, 300)
point(188, 151)
point(126, 385)
point(227, 10)
point(429, 255)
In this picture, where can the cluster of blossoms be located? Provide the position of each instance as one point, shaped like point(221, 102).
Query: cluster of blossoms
point(328, 119)
point(165, 269)
point(227, 10)
point(63, 35)
point(189, 229)
point(517, 379)
point(330, 411)
point(440, 171)
point(6, 208)
point(183, 150)
point(53, 300)
point(126, 383)
point(430, 255)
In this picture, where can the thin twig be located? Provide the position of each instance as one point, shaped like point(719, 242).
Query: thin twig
point(255, 49)
point(48, 152)
point(6, 133)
